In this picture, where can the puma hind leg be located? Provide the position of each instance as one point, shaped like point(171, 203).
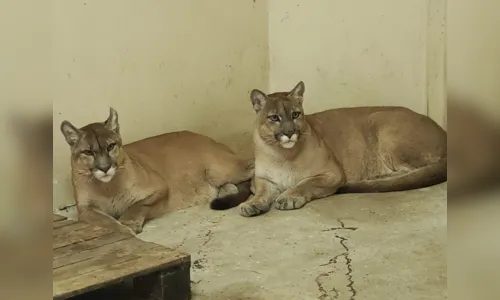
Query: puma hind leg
point(227, 189)
point(408, 156)
point(233, 183)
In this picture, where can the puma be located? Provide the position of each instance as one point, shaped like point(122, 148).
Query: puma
point(299, 158)
point(122, 186)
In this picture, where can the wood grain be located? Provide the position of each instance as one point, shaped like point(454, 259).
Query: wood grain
point(133, 265)
point(66, 236)
point(89, 244)
point(56, 218)
point(87, 258)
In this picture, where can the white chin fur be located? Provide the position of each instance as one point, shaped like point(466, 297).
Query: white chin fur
point(287, 142)
point(105, 177)
point(288, 145)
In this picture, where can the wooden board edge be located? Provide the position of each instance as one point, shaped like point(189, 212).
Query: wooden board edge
point(57, 218)
point(184, 260)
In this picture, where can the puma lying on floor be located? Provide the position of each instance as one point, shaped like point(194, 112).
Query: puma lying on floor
point(121, 186)
point(300, 158)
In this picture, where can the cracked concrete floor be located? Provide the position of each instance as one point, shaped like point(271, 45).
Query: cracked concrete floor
point(353, 246)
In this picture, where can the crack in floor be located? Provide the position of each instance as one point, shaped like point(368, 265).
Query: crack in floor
point(208, 235)
point(324, 294)
point(342, 226)
point(350, 286)
point(198, 264)
point(181, 243)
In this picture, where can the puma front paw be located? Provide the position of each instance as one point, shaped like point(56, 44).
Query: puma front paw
point(134, 225)
point(289, 201)
point(253, 208)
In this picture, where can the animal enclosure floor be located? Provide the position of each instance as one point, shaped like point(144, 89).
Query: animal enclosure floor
point(347, 247)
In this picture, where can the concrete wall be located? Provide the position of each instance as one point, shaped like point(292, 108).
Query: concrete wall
point(164, 66)
point(25, 95)
point(473, 72)
point(474, 53)
point(361, 52)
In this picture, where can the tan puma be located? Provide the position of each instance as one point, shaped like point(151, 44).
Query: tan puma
point(122, 186)
point(300, 158)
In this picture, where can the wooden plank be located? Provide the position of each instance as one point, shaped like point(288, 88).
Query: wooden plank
point(151, 260)
point(66, 236)
point(89, 244)
point(69, 226)
point(60, 224)
point(57, 218)
point(87, 258)
point(98, 257)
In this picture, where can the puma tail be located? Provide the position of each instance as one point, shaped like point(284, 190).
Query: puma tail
point(423, 177)
point(233, 200)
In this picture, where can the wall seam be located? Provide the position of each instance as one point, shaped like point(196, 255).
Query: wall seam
point(436, 61)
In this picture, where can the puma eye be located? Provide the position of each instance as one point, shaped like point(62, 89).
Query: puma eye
point(295, 114)
point(111, 146)
point(274, 118)
point(88, 152)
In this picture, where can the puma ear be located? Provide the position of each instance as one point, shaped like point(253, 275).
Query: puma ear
point(258, 100)
point(70, 132)
point(298, 92)
point(112, 122)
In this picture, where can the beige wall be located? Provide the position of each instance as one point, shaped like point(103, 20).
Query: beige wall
point(474, 53)
point(473, 72)
point(362, 52)
point(25, 92)
point(163, 65)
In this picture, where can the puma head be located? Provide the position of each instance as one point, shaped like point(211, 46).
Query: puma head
point(95, 148)
point(280, 115)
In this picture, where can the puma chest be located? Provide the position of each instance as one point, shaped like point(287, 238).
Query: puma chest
point(287, 174)
point(116, 203)
point(284, 175)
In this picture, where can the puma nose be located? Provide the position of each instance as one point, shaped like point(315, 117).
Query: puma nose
point(289, 133)
point(105, 168)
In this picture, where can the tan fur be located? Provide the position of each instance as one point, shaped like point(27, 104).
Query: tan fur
point(153, 176)
point(363, 149)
